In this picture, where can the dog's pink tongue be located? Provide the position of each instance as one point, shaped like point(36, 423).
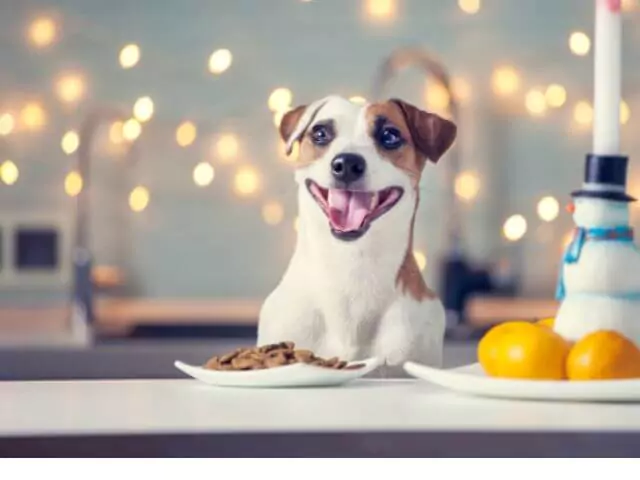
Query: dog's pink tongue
point(347, 210)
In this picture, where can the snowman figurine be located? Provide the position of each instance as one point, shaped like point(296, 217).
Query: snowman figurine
point(599, 284)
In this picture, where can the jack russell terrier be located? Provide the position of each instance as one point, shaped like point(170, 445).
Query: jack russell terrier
point(353, 288)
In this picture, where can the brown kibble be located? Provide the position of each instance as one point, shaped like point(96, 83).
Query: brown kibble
point(340, 365)
point(243, 363)
point(288, 345)
point(304, 356)
point(276, 360)
point(230, 356)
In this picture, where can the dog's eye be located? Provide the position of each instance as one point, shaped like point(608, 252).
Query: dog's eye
point(321, 135)
point(390, 138)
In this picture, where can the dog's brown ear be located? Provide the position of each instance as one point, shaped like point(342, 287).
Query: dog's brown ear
point(432, 135)
point(290, 121)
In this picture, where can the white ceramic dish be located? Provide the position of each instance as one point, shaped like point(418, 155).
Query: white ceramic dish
point(296, 375)
point(472, 380)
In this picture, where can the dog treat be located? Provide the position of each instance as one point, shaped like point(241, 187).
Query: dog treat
point(274, 355)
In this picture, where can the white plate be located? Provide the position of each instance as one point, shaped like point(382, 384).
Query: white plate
point(296, 375)
point(471, 379)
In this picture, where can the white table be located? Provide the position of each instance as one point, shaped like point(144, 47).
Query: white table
point(365, 418)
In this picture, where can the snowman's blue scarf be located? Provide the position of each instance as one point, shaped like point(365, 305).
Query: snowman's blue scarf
point(580, 236)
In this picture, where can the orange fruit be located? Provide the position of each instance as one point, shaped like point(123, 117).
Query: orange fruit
point(547, 322)
point(603, 355)
point(523, 350)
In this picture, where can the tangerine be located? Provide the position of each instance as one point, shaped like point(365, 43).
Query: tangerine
point(603, 355)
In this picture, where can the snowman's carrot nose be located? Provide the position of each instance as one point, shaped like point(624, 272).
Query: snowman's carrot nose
point(571, 207)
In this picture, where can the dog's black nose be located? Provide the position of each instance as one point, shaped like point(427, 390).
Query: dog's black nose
point(348, 167)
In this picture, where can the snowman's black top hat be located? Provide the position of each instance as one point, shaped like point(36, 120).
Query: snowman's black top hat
point(605, 176)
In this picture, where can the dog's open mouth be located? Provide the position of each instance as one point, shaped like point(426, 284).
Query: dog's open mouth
point(350, 212)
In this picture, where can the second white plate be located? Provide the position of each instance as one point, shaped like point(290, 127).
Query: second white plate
point(472, 380)
point(296, 375)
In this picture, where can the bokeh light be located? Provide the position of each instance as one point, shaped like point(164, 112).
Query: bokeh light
point(7, 124)
point(461, 89)
point(131, 129)
point(220, 61)
point(556, 95)
point(579, 43)
point(548, 208)
point(421, 259)
point(278, 116)
point(33, 116)
point(358, 100)
point(583, 113)
point(139, 199)
point(536, 102)
point(186, 134)
point(143, 109)
point(625, 112)
point(73, 184)
point(116, 133)
point(380, 9)
point(70, 88)
point(469, 6)
point(272, 212)
point(280, 99)
point(129, 56)
point(9, 172)
point(514, 228)
point(467, 186)
point(70, 142)
point(42, 32)
point(437, 97)
point(203, 174)
point(246, 181)
point(227, 148)
point(505, 81)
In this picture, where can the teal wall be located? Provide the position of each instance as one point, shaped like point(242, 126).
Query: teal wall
point(193, 242)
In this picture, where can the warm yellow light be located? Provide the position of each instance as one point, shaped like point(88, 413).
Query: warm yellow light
point(514, 228)
point(583, 113)
point(203, 174)
point(556, 95)
point(129, 56)
point(70, 142)
point(548, 209)
point(227, 148)
point(421, 259)
point(139, 199)
point(42, 32)
point(469, 6)
point(437, 97)
point(272, 213)
point(280, 99)
point(467, 186)
point(629, 5)
point(461, 89)
point(143, 109)
point(220, 61)
point(70, 88)
point(131, 129)
point(505, 81)
point(246, 181)
point(33, 116)
point(380, 9)
point(73, 184)
point(536, 102)
point(186, 134)
point(358, 100)
point(7, 123)
point(625, 112)
point(9, 172)
point(116, 134)
point(579, 43)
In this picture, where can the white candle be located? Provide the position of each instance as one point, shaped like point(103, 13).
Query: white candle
point(607, 78)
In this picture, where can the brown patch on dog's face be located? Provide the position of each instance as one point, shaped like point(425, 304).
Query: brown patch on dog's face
point(310, 150)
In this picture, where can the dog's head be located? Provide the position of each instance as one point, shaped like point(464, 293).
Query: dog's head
point(359, 163)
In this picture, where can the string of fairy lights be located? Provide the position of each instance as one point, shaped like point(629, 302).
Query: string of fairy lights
point(506, 83)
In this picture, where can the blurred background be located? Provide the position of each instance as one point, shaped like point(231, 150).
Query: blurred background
point(147, 207)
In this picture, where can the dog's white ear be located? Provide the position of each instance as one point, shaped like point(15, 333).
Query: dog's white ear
point(295, 122)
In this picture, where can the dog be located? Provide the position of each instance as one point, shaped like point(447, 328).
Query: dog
point(353, 289)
